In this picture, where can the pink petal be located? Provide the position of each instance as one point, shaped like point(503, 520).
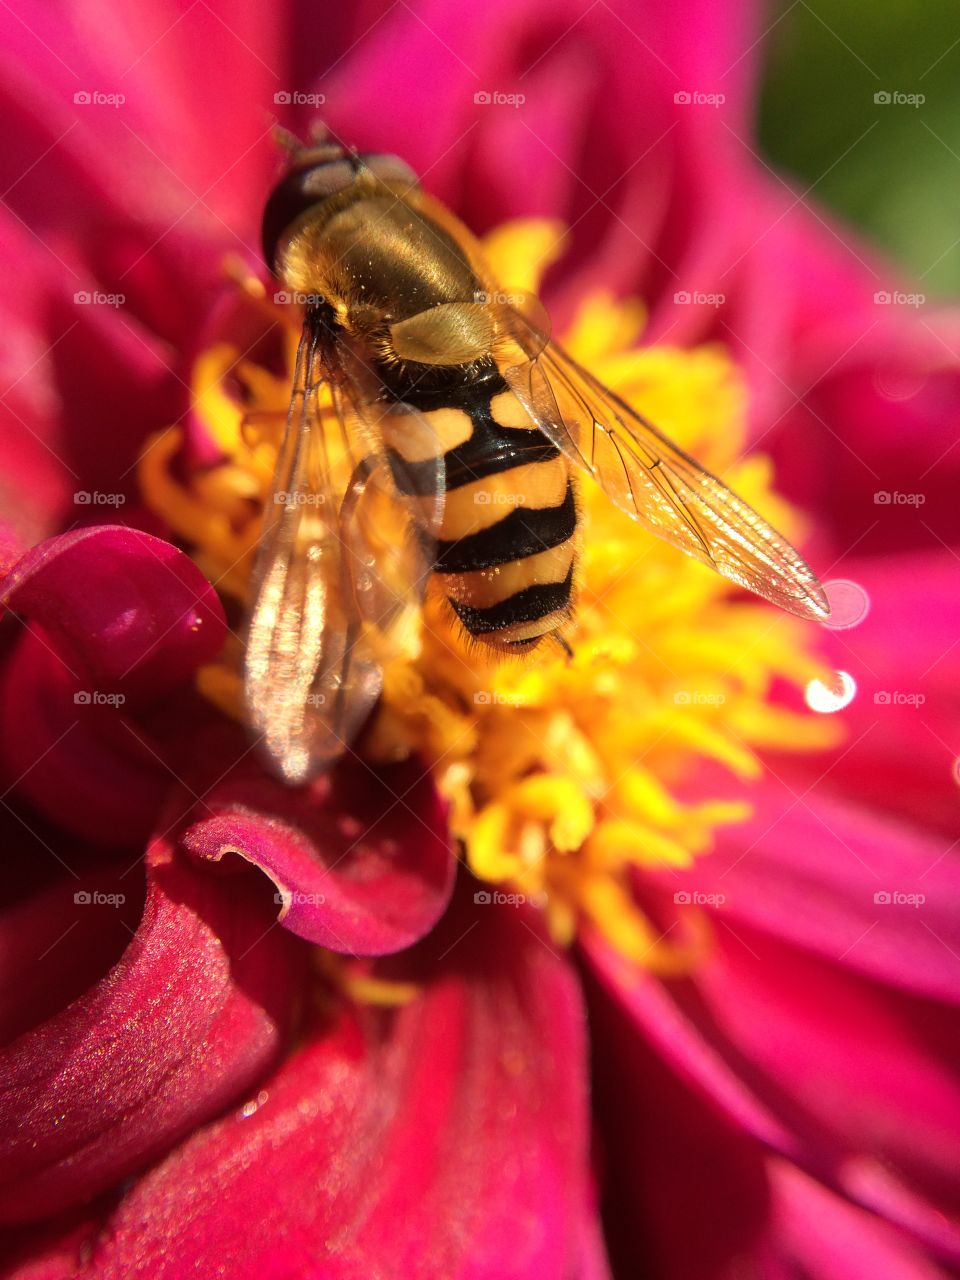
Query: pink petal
point(670, 1156)
point(820, 1234)
point(638, 204)
point(902, 752)
point(854, 1080)
point(131, 607)
point(56, 950)
point(362, 861)
point(191, 1016)
point(807, 869)
point(86, 766)
point(445, 1139)
point(118, 622)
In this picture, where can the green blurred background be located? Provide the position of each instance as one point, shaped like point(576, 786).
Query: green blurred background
point(900, 180)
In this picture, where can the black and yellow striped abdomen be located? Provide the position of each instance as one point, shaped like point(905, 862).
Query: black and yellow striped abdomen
point(506, 548)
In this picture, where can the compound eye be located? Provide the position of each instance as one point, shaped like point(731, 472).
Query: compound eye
point(318, 175)
point(390, 169)
point(309, 183)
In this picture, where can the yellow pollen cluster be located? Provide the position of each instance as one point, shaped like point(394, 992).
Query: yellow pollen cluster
point(564, 776)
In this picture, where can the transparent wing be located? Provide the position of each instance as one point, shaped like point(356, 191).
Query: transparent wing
point(654, 481)
point(340, 574)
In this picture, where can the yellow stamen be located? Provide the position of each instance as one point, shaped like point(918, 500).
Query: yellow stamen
point(564, 777)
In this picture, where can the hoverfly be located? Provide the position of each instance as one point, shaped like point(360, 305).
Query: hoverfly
point(432, 435)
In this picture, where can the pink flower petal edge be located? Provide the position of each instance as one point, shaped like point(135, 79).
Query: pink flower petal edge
point(446, 1139)
point(195, 1011)
point(362, 861)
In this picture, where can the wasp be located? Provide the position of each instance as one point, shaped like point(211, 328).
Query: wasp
point(433, 437)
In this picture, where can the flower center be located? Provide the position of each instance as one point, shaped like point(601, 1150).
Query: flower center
point(565, 776)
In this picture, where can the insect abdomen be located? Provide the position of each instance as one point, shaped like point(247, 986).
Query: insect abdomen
point(506, 549)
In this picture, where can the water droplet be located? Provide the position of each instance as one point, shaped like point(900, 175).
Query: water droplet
point(831, 697)
point(901, 379)
point(849, 604)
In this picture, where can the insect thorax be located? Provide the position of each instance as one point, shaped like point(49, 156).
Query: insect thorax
point(377, 253)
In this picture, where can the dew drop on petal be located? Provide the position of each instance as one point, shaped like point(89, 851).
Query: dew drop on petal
point(834, 696)
point(903, 378)
point(849, 604)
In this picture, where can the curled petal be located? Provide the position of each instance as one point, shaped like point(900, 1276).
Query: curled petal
point(446, 1139)
point(66, 920)
point(194, 1012)
point(133, 609)
point(82, 763)
point(117, 622)
point(362, 861)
